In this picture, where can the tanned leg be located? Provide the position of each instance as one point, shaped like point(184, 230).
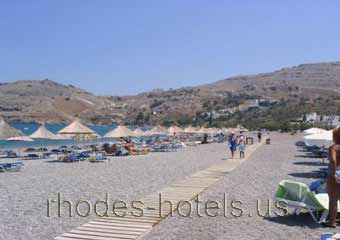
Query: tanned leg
point(333, 202)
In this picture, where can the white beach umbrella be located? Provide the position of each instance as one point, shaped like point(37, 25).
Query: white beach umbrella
point(120, 131)
point(313, 131)
point(320, 139)
point(322, 136)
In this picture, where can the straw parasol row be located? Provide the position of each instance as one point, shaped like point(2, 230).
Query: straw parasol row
point(79, 131)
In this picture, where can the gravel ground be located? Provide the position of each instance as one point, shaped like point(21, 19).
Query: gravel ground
point(255, 179)
point(24, 194)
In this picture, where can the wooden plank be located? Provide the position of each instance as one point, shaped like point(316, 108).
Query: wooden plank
point(91, 229)
point(130, 219)
point(86, 237)
point(143, 217)
point(64, 238)
point(118, 228)
point(121, 224)
point(102, 234)
point(130, 227)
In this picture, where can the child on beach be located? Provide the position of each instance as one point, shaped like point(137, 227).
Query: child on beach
point(242, 148)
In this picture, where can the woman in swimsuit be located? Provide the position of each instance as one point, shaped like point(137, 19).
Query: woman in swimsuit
point(333, 182)
point(232, 144)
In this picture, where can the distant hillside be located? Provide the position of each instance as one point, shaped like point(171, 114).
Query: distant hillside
point(317, 84)
point(308, 82)
point(53, 102)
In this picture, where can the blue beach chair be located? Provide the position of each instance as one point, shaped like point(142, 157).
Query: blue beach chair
point(11, 167)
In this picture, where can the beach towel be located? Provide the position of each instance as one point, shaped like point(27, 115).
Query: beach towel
point(319, 186)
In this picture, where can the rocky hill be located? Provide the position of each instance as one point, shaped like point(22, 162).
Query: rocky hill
point(45, 100)
point(49, 101)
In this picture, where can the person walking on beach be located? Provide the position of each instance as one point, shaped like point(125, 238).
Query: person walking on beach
point(333, 180)
point(242, 148)
point(259, 136)
point(232, 144)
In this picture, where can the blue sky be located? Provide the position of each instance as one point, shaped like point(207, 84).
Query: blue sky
point(122, 47)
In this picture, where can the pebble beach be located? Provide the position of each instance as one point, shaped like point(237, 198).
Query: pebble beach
point(24, 194)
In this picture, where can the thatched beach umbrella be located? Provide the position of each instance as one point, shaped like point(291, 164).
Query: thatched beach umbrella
point(78, 130)
point(158, 130)
point(44, 133)
point(6, 131)
point(138, 132)
point(120, 131)
point(20, 138)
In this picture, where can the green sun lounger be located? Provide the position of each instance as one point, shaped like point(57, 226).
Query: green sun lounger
point(302, 199)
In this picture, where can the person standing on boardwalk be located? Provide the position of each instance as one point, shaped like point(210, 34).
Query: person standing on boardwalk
point(259, 136)
point(242, 148)
point(333, 180)
point(232, 144)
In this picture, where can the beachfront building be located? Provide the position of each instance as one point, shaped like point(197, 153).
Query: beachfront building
point(311, 117)
point(327, 120)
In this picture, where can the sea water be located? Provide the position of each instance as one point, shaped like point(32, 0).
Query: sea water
point(29, 128)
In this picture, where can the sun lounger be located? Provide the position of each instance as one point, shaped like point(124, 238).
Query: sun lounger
point(192, 144)
point(330, 236)
point(164, 148)
point(32, 156)
point(10, 154)
point(11, 167)
point(299, 197)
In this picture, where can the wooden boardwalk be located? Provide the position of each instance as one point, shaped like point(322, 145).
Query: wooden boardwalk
point(133, 227)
